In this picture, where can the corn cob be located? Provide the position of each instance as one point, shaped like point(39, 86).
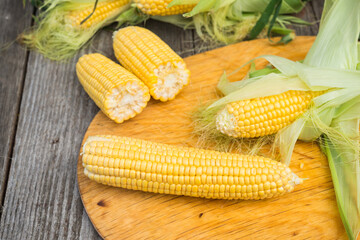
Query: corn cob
point(152, 167)
point(263, 116)
point(116, 91)
point(151, 60)
point(159, 7)
point(104, 10)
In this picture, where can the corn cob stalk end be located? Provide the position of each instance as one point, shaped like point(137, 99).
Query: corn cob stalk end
point(116, 91)
point(152, 60)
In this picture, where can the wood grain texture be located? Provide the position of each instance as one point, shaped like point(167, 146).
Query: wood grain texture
point(42, 199)
point(309, 212)
point(13, 18)
point(182, 42)
point(308, 14)
point(317, 6)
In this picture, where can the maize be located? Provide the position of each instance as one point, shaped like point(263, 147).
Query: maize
point(159, 7)
point(153, 61)
point(116, 91)
point(159, 168)
point(104, 10)
point(263, 116)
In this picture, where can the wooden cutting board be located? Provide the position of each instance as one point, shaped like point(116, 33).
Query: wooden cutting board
point(310, 212)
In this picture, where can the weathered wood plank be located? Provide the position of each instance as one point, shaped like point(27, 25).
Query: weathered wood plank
point(178, 39)
point(42, 200)
point(13, 18)
point(317, 6)
point(87, 231)
point(307, 14)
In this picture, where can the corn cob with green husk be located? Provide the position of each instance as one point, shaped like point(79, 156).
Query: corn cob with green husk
point(263, 116)
point(104, 10)
point(330, 72)
point(152, 60)
point(117, 92)
point(232, 21)
point(65, 26)
point(223, 22)
point(159, 168)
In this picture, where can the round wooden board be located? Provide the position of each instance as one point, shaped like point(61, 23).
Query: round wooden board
point(308, 212)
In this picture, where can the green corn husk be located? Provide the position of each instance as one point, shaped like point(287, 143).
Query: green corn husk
point(334, 117)
point(231, 21)
point(218, 21)
point(54, 36)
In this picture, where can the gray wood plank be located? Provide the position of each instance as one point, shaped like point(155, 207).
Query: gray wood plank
point(178, 39)
point(13, 19)
point(87, 230)
point(307, 14)
point(42, 200)
point(318, 6)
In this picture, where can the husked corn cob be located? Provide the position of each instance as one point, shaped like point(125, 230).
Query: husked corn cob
point(104, 10)
point(159, 7)
point(152, 60)
point(153, 167)
point(116, 91)
point(263, 116)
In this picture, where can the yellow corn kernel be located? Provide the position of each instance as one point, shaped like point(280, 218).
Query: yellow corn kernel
point(116, 91)
point(152, 61)
point(265, 115)
point(182, 177)
point(159, 7)
point(104, 10)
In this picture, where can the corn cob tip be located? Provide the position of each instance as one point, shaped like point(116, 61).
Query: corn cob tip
point(226, 123)
point(295, 180)
point(89, 140)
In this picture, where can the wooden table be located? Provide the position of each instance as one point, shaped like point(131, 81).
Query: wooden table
point(44, 113)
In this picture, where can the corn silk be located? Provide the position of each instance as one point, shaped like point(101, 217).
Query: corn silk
point(230, 21)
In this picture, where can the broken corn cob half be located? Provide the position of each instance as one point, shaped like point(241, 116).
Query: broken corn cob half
point(104, 10)
point(159, 7)
point(159, 168)
point(116, 91)
point(152, 61)
point(263, 116)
